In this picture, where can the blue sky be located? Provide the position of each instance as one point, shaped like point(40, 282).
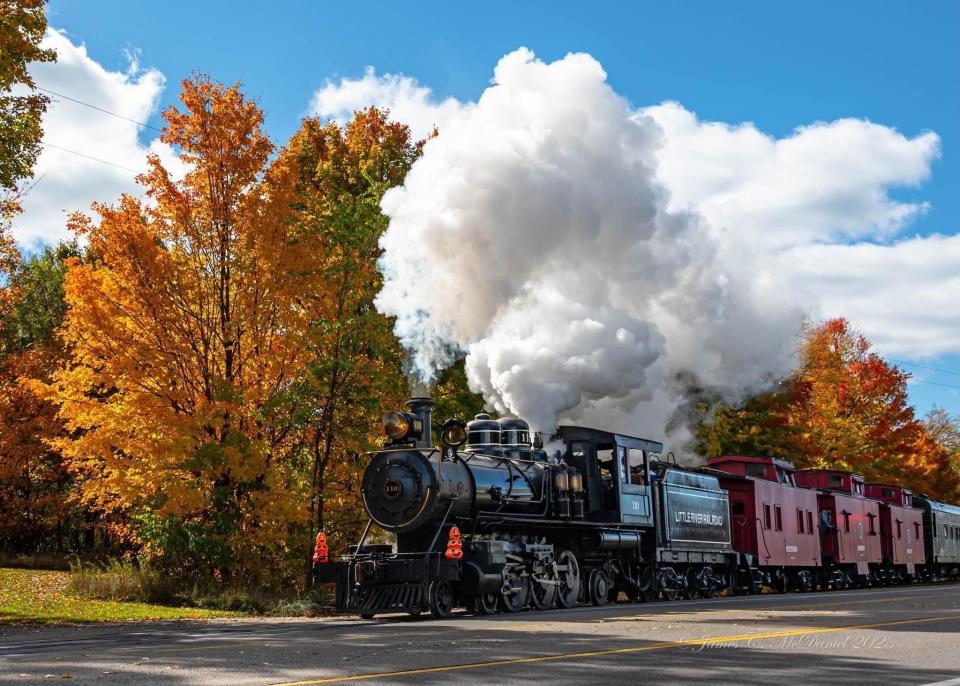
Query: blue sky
point(779, 65)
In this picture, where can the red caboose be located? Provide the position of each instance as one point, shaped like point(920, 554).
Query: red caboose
point(772, 519)
point(849, 524)
point(901, 531)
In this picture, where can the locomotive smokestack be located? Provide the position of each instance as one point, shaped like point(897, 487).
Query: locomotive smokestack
point(423, 408)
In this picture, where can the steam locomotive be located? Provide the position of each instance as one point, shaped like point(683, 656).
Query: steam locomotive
point(493, 522)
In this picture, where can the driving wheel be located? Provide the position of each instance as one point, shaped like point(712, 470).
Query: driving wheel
point(568, 578)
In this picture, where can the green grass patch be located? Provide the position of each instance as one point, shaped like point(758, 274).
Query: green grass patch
point(30, 596)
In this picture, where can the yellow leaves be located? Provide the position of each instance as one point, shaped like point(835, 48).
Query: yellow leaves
point(184, 327)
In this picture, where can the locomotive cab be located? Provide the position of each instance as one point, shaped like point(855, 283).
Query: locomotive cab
point(616, 472)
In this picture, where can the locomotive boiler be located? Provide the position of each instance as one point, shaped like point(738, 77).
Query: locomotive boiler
point(409, 486)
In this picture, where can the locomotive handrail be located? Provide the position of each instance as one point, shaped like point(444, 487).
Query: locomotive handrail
point(443, 521)
point(763, 537)
point(366, 530)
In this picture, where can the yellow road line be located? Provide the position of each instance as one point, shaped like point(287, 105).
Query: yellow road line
point(616, 651)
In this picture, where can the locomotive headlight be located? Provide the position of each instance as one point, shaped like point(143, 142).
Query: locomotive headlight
point(399, 425)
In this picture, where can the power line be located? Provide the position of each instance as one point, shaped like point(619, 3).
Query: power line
point(933, 383)
point(89, 157)
point(99, 109)
point(923, 366)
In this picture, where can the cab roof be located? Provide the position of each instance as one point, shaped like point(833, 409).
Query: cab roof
point(584, 433)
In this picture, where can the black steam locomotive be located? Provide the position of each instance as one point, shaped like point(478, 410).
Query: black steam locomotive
point(493, 522)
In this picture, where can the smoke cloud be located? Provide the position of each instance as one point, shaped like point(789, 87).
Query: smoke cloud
point(534, 236)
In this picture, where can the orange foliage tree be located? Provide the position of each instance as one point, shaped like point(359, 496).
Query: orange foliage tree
point(846, 408)
point(37, 511)
point(186, 332)
point(355, 371)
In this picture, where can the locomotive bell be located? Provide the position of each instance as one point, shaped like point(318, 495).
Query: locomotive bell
point(483, 435)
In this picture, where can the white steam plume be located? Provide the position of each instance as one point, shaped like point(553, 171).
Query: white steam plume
point(533, 234)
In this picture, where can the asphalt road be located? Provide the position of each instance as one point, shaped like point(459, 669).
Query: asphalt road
point(906, 635)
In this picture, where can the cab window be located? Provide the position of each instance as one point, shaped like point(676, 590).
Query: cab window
point(631, 467)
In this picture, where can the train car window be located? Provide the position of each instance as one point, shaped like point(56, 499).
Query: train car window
point(907, 499)
point(779, 518)
point(809, 521)
point(756, 470)
point(917, 533)
point(858, 487)
point(633, 472)
point(946, 532)
point(846, 522)
point(826, 519)
point(605, 463)
point(899, 532)
point(873, 529)
point(834, 481)
point(799, 521)
point(766, 516)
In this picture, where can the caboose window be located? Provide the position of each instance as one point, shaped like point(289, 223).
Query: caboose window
point(907, 499)
point(766, 516)
point(899, 533)
point(755, 469)
point(873, 530)
point(846, 522)
point(799, 521)
point(776, 510)
point(809, 521)
point(858, 487)
point(834, 481)
point(916, 529)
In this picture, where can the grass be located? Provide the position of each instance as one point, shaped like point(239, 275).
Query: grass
point(30, 596)
point(123, 580)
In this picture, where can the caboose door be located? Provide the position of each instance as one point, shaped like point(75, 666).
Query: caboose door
point(634, 489)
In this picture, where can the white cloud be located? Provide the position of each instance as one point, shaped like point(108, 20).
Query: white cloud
point(811, 214)
point(827, 181)
point(64, 182)
point(409, 102)
point(903, 296)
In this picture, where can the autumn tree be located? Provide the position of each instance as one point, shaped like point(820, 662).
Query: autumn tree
point(453, 396)
point(355, 371)
point(846, 408)
point(186, 332)
point(37, 507)
point(22, 26)
point(944, 431)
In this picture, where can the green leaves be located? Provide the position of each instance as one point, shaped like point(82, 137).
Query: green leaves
point(22, 25)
